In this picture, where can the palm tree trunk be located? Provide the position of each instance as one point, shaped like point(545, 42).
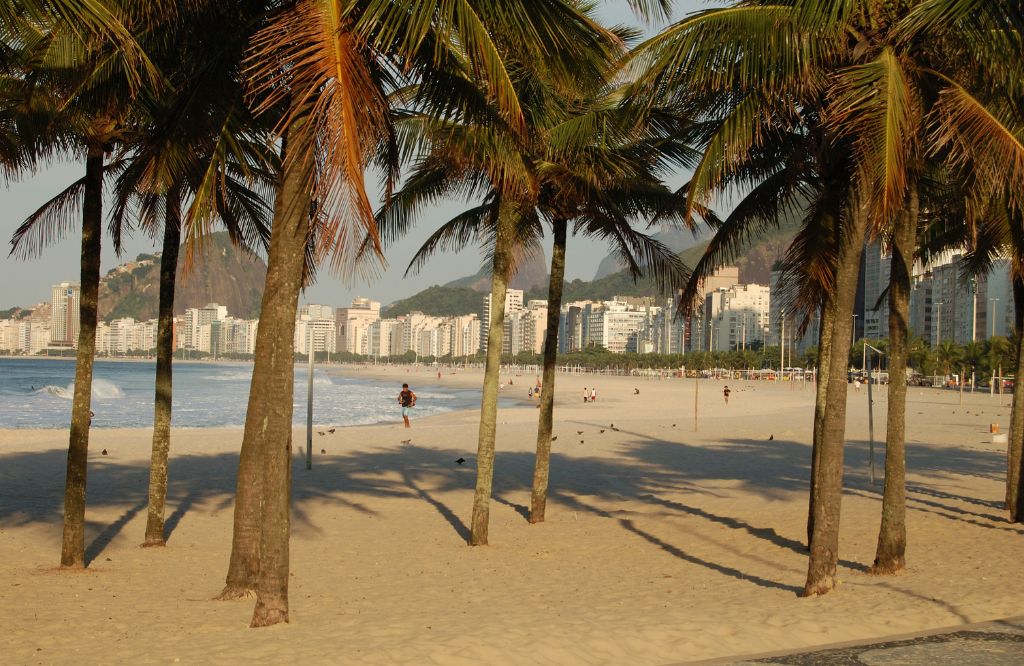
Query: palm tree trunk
point(164, 356)
point(268, 419)
point(72, 553)
point(828, 483)
point(825, 332)
point(1016, 439)
point(542, 465)
point(890, 555)
point(489, 400)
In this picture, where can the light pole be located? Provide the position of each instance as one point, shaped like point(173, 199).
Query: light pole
point(853, 338)
point(938, 322)
point(871, 419)
point(992, 314)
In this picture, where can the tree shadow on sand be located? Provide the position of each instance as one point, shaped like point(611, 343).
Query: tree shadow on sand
point(645, 470)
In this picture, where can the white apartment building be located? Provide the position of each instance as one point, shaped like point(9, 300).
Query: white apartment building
point(464, 334)
point(737, 317)
point(352, 325)
point(525, 329)
point(380, 337)
point(64, 314)
point(618, 326)
point(315, 326)
point(513, 303)
point(125, 335)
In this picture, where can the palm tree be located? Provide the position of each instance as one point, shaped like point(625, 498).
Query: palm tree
point(88, 81)
point(893, 92)
point(201, 146)
point(948, 354)
point(330, 65)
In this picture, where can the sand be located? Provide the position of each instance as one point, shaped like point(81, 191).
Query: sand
point(661, 545)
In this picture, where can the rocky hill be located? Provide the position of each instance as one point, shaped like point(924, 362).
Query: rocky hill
point(220, 273)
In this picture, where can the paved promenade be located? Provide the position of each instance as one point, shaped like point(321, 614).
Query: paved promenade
point(991, 644)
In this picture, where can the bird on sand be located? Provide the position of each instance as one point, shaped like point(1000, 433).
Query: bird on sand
point(406, 441)
point(460, 461)
point(320, 432)
point(602, 431)
point(104, 452)
point(323, 450)
point(771, 437)
point(331, 430)
point(673, 425)
point(579, 432)
point(554, 438)
point(581, 441)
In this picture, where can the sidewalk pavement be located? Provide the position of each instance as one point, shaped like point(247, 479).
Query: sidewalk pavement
point(999, 643)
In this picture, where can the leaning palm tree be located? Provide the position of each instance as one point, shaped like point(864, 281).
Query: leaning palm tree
point(329, 66)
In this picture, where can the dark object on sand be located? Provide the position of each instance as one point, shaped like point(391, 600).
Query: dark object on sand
point(771, 437)
point(323, 450)
point(103, 452)
point(460, 461)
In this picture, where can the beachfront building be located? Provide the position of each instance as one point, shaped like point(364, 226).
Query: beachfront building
point(785, 320)
point(737, 317)
point(526, 328)
point(464, 332)
point(380, 335)
point(24, 336)
point(196, 332)
point(668, 329)
point(315, 325)
point(352, 325)
point(571, 325)
point(125, 335)
point(619, 325)
point(64, 314)
point(695, 328)
point(513, 303)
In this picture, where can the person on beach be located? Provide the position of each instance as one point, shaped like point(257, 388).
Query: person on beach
point(725, 393)
point(593, 395)
point(586, 396)
point(407, 399)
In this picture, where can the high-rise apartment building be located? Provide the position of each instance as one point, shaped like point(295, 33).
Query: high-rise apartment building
point(352, 325)
point(64, 314)
point(513, 302)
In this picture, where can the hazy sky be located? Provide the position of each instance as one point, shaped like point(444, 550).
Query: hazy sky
point(28, 282)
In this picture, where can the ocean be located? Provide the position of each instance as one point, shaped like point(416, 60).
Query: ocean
point(36, 393)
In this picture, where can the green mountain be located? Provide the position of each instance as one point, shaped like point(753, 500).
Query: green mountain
point(220, 273)
point(438, 301)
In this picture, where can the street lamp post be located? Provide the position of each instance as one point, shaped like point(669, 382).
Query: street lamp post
point(938, 322)
point(992, 314)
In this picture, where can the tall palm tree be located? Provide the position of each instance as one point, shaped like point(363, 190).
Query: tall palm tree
point(330, 66)
point(88, 80)
point(202, 147)
point(582, 160)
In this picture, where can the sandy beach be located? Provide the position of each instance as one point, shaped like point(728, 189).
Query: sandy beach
point(662, 544)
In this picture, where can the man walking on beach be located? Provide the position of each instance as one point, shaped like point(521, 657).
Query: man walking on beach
point(725, 393)
point(586, 396)
point(407, 399)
